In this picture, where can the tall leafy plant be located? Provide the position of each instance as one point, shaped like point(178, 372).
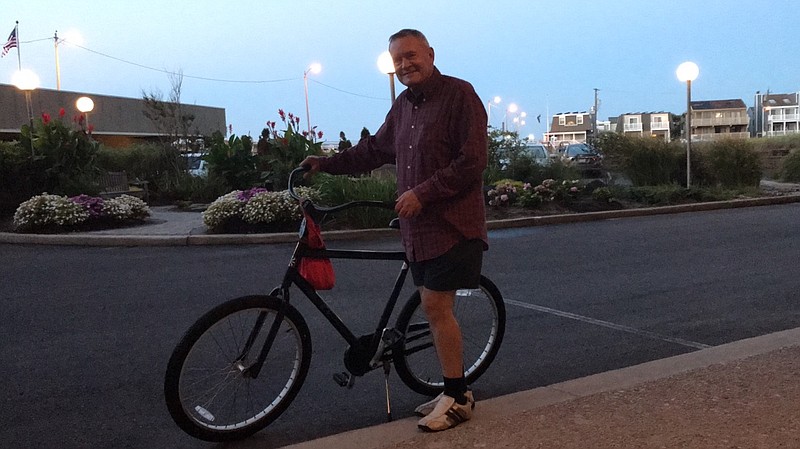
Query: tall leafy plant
point(280, 151)
point(66, 154)
point(233, 160)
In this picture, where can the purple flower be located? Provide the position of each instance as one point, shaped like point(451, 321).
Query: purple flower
point(92, 204)
point(246, 195)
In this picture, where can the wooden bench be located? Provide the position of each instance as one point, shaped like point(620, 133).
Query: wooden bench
point(114, 184)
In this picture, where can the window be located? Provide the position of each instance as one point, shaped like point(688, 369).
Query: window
point(562, 120)
point(579, 119)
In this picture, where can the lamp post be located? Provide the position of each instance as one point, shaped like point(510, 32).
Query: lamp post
point(314, 68)
point(386, 65)
point(27, 81)
point(687, 72)
point(493, 103)
point(85, 105)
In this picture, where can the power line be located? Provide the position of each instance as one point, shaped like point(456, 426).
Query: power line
point(349, 93)
point(220, 80)
point(184, 75)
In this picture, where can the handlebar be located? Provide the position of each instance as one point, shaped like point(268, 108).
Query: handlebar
point(316, 210)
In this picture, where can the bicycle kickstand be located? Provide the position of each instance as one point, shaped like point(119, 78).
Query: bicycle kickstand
point(386, 369)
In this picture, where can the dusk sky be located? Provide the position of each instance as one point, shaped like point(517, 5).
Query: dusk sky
point(546, 56)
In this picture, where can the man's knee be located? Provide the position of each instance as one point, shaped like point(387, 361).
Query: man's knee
point(437, 305)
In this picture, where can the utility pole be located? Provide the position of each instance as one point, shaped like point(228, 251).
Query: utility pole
point(594, 119)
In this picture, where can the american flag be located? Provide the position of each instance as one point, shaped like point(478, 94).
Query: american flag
point(12, 42)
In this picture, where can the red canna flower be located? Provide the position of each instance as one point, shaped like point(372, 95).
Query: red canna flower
point(319, 135)
point(45, 118)
point(90, 129)
point(297, 120)
point(61, 113)
point(282, 115)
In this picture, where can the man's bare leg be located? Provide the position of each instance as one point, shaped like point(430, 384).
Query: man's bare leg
point(438, 307)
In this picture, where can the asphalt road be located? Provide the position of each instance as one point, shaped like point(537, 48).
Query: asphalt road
point(86, 333)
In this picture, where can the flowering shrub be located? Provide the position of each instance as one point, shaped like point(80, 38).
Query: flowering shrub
point(53, 213)
point(281, 151)
point(255, 206)
point(502, 195)
point(64, 152)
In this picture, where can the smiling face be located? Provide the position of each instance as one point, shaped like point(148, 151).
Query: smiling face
point(413, 60)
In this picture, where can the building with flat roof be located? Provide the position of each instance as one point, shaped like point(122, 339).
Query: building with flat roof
point(117, 121)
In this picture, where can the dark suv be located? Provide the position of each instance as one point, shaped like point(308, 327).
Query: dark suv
point(584, 158)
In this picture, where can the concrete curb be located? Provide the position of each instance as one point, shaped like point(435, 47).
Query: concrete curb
point(93, 239)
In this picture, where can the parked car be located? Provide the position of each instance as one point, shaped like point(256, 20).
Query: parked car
point(583, 157)
point(538, 153)
point(195, 165)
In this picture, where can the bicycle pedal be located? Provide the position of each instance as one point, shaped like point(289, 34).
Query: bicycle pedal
point(344, 380)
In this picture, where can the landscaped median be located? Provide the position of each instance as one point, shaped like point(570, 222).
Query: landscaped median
point(187, 238)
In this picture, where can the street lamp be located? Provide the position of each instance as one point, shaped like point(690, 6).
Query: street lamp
point(687, 72)
point(495, 102)
point(386, 65)
point(314, 68)
point(85, 105)
point(26, 81)
point(512, 108)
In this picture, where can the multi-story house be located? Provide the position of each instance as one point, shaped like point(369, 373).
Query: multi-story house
point(719, 119)
point(569, 127)
point(654, 124)
point(775, 115)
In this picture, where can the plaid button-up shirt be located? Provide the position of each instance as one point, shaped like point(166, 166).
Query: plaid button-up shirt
point(436, 135)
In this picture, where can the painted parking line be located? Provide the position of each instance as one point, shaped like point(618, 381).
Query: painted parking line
point(609, 325)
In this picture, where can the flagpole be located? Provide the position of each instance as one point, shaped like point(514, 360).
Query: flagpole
point(19, 58)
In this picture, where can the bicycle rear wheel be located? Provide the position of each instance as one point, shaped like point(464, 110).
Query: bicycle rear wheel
point(208, 389)
point(481, 315)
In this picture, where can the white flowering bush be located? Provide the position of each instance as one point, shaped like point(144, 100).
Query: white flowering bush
point(256, 206)
point(125, 207)
point(55, 213)
point(48, 210)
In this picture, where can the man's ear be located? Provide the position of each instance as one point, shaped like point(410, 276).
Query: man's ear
point(432, 54)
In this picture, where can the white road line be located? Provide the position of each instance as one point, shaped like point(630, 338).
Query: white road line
point(619, 327)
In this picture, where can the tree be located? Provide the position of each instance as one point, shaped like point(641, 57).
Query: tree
point(170, 120)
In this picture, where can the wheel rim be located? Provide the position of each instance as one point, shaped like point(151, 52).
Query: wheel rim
point(213, 390)
point(477, 316)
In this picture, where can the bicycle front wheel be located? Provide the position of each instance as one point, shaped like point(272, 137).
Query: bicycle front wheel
point(210, 389)
point(481, 315)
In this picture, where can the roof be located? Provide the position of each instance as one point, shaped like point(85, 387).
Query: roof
point(775, 100)
point(718, 104)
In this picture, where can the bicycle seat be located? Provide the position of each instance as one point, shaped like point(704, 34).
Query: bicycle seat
point(395, 223)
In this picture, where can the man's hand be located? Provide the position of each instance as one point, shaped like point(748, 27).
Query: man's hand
point(408, 205)
point(313, 162)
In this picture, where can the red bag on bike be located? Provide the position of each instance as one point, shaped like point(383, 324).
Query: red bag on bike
point(318, 272)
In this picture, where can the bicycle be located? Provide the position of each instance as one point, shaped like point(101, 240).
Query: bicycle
point(240, 365)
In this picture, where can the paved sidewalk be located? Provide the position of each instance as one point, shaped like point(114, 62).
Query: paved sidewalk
point(744, 394)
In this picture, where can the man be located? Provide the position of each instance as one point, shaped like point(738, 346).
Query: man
point(435, 132)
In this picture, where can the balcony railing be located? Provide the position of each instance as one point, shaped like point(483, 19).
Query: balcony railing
point(720, 121)
point(633, 127)
point(783, 132)
point(717, 136)
point(783, 118)
point(658, 126)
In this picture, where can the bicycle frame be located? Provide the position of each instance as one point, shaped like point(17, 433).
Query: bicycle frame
point(292, 277)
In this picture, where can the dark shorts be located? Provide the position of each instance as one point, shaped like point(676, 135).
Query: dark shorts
point(460, 267)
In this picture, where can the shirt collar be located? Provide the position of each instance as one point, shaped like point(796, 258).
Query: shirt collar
point(427, 90)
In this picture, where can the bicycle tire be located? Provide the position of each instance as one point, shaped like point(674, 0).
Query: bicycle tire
point(481, 315)
point(205, 391)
